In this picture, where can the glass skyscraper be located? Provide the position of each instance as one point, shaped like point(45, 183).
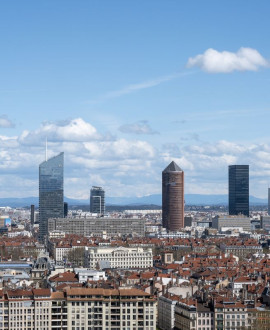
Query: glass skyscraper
point(51, 192)
point(239, 190)
point(97, 200)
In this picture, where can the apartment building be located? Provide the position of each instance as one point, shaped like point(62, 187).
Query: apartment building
point(190, 315)
point(120, 257)
point(25, 309)
point(104, 309)
point(77, 309)
point(232, 315)
point(166, 311)
point(112, 227)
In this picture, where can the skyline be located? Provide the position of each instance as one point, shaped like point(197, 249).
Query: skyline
point(123, 89)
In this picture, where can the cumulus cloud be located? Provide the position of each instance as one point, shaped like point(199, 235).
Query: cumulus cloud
point(140, 127)
point(90, 157)
point(5, 122)
point(124, 167)
point(206, 165)
point(213, 61)
point(73, 130)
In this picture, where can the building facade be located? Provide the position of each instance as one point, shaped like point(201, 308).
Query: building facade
point(32, 214)
point(120, 257)
point(231, 221)
point(97, 200)
point(51, 192)
point(239, 190)
point(166, 312)
point(77, 309)
point(173, 197)
point(265, 223)
point(111, 227)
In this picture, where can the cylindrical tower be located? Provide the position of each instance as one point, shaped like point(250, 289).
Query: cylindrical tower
point(173, 197)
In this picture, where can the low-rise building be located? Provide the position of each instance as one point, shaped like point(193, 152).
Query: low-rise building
point(86, 274)
point(231, 221)
point(191, 315)
point(98, 226)
point(120, 257)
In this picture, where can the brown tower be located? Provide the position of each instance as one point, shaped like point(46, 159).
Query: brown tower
point(173, 197)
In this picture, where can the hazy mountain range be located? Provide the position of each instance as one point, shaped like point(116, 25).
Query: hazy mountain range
point(190, 199)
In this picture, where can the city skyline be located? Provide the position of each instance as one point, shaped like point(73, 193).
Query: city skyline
point(123, 99)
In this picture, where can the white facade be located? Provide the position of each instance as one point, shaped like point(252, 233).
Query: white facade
point(166, 308)
point(60, 253)
point(85, 274)
point(120, 257)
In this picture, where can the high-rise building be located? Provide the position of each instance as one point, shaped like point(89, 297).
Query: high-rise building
point(173, 197)
point(32, 214)
point(97, 200)
point(51, 192)
point(268, 201)
point(239, 190)
point(65, 209)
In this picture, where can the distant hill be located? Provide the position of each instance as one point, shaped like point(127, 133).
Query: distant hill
point(190, 199)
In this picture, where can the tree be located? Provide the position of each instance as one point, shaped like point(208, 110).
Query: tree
point(76, 256)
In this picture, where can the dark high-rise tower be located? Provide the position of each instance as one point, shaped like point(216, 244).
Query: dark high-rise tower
point(239, 189)
point(51, 192)
point(97, 200)
point(173, 197)
point(65, 209)
point(32, 214)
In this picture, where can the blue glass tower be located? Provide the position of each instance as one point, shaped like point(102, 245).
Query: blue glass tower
point(239, 190)
point(51, 192)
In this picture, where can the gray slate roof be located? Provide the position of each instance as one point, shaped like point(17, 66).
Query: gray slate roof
point(173, 167)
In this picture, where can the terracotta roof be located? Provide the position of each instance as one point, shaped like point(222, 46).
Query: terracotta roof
point(42, 292)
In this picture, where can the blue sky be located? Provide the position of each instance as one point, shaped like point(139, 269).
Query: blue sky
point(119, 87)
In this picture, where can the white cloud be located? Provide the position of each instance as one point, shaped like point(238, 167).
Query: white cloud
point(140, 127)
point(213, 61)
point(90, 157)
point(124, 167)
point(73, 130)
point(5, 122)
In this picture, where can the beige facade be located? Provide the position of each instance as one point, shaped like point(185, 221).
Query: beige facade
point(77, 309)
point(120, 257)
point(25, 310)
point(190, 315)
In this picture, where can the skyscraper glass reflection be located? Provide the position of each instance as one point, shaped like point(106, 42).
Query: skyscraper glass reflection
point(97, 200)
point(51, 192)
point(239, 189)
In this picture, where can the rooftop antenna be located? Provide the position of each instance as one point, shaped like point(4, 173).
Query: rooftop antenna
point(46, 149)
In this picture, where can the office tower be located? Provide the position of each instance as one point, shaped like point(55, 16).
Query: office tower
point(32, 214)
point(51, 193)
point(173, 197)
point(268, 201)
point(239, 190)
point(65, 209)
point(97, 200)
